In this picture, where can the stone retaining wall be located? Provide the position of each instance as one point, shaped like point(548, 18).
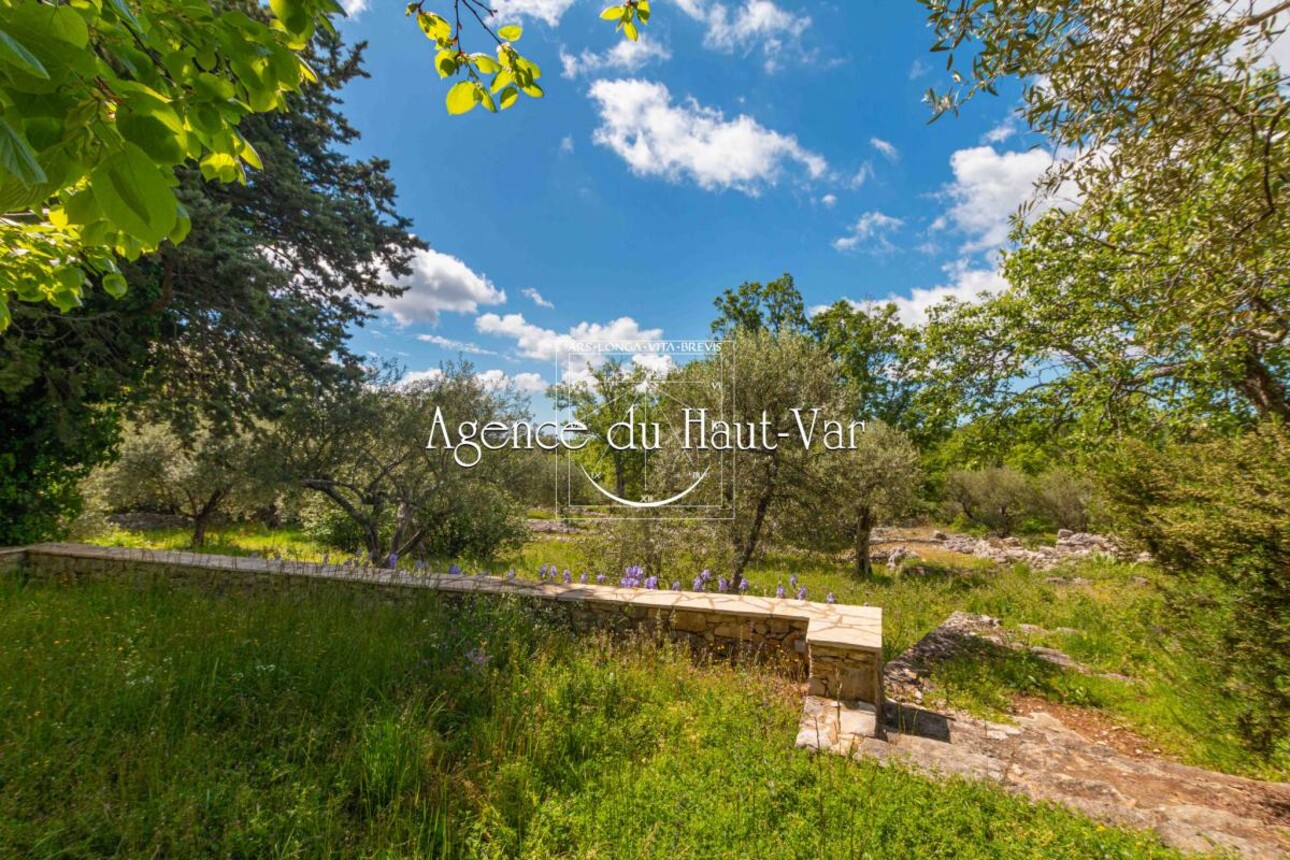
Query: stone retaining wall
point(839, 646)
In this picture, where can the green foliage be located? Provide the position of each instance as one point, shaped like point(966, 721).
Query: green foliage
point(209, 477)
point(212, 332)
point(1157, 297)
point(998, 497)
point(99, 102)
point(497, 83)
point(323, 724)
point(1221, 508)
point(613, 393)
point(775, 307)
point(365, 451)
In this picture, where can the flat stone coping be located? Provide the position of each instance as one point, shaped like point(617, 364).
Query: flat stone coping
point(841, 626)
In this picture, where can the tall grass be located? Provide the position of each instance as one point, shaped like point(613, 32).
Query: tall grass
point(164, 723)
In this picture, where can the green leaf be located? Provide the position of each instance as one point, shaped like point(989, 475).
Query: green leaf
point(532, 90)
point(486, 64)
point(629, 30)
point(135, 195)
point(530, 69)
point(4, 312)
point(115, 284)
point(435, 28)
point(151, 135)
point(17, 157)
point(293, 14)
point(642, 10)
point(124, 13)
point(613, 13)
point(508, 97)
point(485, 98)
point(15, 54)
point(510, 32)
point(446, 63)
point(463, 97)
point(504, 77)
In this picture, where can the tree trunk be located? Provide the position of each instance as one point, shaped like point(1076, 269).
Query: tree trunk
point(201, 517)
point(199, 530)
point(864, 534)
point(1264, 391)
point(759, 519)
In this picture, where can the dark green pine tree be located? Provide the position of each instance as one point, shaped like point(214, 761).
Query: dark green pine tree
point(219, 330)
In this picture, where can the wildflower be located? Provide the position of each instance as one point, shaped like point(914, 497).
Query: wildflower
point(829, 598)
point(779, 590)
point(801, 593)
point(583, 578)
point(792, 581)
point(393, 560)
point(705, 575)
point(743, 585)
point(454, 570)
point(510, 574)
point(723, 585)
point(600, 579)
point(651, 582)
point(698, 583)
point(676, 585)
point(568, 577)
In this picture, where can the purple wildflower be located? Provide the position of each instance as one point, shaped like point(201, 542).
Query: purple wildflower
point(698, 583)
point(393, 561)
point(583, 578)
point(600, 579)
point(705, 575)
point(792, 581)
point(829, 598)
point(723, 585)
point(510, 574)
point(454, 570)
point(676, 585)
point(651, 582)
point(743, 585)
point(568, 577)
point(801, 592)
point(779, 590)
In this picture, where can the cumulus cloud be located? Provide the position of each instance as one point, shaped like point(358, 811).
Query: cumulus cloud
point(871, 230)
point(756, 24)
point(863, 175)
point(438, 283)
point(547, 11)
point(457, 345)
point(828, 201)
point(537, 299)
point(918, 68)
point(988, 188)
point(492, 380)
point(887, 150)
point(639, 123)
point(626, 56)
point(964, 283)
point(353, 8)
point(547, 344)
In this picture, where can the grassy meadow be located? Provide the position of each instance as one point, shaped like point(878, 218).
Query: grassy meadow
point(168, 723)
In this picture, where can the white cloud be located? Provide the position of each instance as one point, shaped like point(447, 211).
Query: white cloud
point(965, 284)
point(1001, 132)
point(492, 380)
point(888, 151)
point(566, 144)
point(988, 188)
point(546, 11)
point(829, 201)
point(548, 345)
point(528, 383)
point(863, 175)
point(438, 283)
point(872, 228)
point(918, 68)
point(353, 8)
point(457, 345)
point(536, 297)
point(640, 124)
point(626, 56)
point(754, 24)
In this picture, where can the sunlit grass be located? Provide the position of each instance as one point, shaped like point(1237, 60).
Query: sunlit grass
point(320, 724)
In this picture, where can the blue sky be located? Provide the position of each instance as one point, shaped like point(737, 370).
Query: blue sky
point(739, 140)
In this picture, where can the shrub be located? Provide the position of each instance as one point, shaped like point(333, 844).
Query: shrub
point(1065, 499)
point(999, 498)
point(1220, 509)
